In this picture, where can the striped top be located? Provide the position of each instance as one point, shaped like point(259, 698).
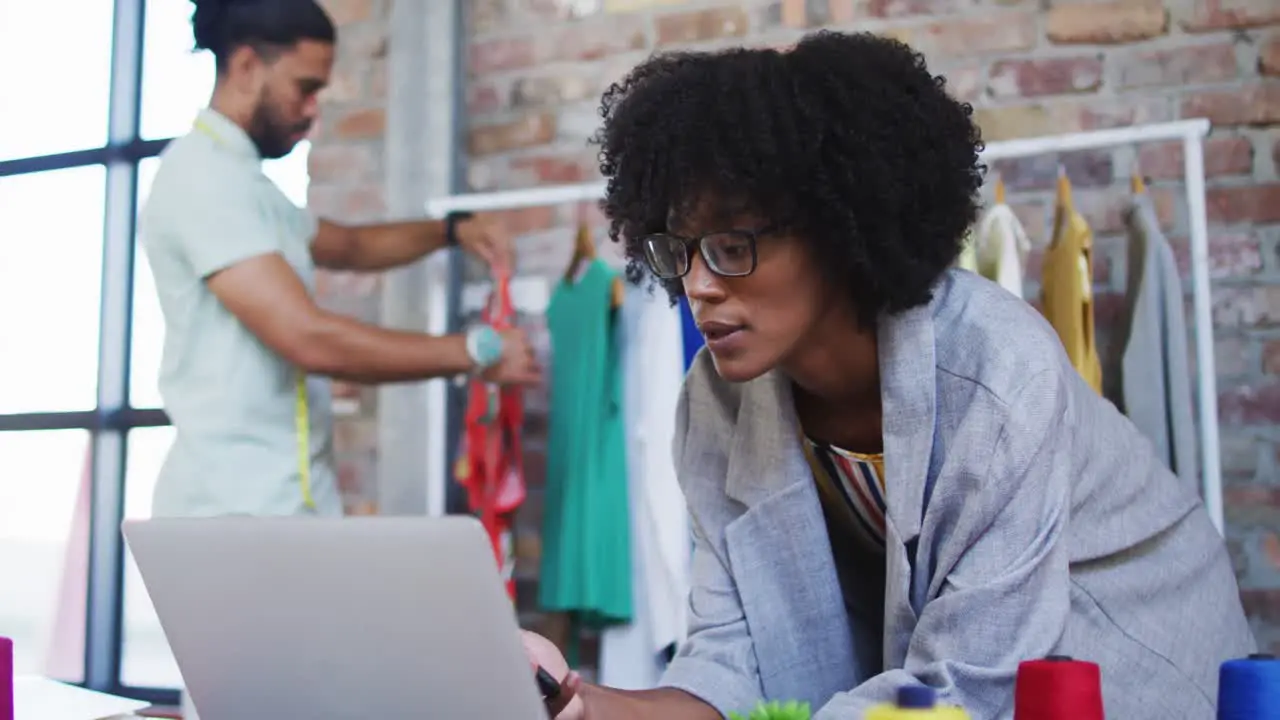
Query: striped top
point(854, 481)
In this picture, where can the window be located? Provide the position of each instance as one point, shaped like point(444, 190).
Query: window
point(50, 286)
point(68, 96)
point(176, 80)
point(43, 485)
point(290, 173)
point(147, 343)
point(145, 657)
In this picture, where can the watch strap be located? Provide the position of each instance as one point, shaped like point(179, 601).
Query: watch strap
point(451, 225)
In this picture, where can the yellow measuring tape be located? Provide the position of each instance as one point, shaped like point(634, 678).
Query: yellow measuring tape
point(301, 414)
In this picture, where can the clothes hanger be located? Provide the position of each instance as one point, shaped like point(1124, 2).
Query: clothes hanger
point(999, 190)
point(584, 251)
point(1136, 184)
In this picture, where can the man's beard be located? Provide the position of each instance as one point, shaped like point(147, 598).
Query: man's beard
point(273, 138)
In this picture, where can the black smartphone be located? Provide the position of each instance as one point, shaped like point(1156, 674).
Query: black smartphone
point(547, 685)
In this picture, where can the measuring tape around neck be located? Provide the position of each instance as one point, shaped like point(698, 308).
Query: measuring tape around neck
point(301, 412)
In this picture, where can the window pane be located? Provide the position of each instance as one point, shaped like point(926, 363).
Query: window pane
point(148, 323)
point(44, 550)
point(145, 659)
point(55, 74)
point(290, 173)
point(176, 80)
point(50, 288)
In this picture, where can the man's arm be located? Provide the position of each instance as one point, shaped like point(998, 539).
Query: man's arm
point(659, 703)
point(265, 294)
point(388, 245)
point(375, 247)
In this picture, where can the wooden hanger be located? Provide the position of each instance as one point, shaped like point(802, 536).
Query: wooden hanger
point(1136, 183)
point(999, 190)
point(584, 250)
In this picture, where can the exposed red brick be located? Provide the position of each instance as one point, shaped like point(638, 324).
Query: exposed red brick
point(529, 131)
point(1271, 357)
point(1224, 155)
point(1256, 404)
point(329, 162)
point(501, 54)
point(1212, 15)
point(1090, 168)
point(594, 40)
point(1105, 208)
point(995, 33)
point(1257, 104)
point(1068, 115)
point(1244, 204)
point(905, 8)
point(484, 98)
point(552, 89)
point(964, 83)
point(1103, 23)
point(1231, 254)
point(1250, 306)
point(702, 25)
point(348, 12)
point(362, 124)
point(553, 169)
point(1229, 359)
point(1045, 76)
point(1269, 56)
point(1197, 64)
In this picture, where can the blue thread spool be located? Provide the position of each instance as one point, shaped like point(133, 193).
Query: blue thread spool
point(1249, 688)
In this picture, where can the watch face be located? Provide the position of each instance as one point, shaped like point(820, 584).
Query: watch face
point(488, 345)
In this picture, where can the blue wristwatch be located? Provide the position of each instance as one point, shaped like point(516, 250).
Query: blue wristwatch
point(484, 345)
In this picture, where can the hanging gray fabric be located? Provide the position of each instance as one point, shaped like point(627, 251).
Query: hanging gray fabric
point(1153, 383)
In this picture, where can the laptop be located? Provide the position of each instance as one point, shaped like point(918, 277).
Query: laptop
point(336, 618)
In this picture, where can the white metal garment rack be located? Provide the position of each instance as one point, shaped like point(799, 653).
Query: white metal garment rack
point(1190, 132)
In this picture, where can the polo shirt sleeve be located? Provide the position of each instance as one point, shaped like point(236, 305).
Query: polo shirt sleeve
point(222, 225)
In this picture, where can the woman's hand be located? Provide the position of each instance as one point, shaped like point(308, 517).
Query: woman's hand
point(566, 705)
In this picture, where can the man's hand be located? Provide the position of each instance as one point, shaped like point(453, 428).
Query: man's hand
point(486, 239)
point(518, 365)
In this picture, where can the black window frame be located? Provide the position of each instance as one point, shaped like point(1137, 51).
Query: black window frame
point(110, 422)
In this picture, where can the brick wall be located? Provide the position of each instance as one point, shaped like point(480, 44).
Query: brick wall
point(348, 183)
point(537, 67)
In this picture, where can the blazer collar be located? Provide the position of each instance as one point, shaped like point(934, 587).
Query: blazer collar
point(765, 454)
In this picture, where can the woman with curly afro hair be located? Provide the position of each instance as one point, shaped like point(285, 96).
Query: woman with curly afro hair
point(894, 474)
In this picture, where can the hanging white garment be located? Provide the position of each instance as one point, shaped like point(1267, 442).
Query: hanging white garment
point(1000, 247)
point(632, 657)
point(1153, 383)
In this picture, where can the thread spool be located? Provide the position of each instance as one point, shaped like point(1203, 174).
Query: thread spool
point(916, 702)
point(1058, 688)
point(1249, 688)
point(6, 679)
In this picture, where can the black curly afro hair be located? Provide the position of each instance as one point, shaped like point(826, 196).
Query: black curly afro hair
point(846, 140)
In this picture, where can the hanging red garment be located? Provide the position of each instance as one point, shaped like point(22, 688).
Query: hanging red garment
point(491, 462)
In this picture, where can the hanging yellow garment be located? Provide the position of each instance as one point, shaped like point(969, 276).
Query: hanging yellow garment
point(1066, 286)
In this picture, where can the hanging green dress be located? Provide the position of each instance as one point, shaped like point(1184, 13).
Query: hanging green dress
point(586, 536)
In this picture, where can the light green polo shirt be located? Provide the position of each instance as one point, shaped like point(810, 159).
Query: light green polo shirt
point(232, 400)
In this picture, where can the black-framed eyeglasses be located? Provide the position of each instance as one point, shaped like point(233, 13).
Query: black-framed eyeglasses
point(728, 253)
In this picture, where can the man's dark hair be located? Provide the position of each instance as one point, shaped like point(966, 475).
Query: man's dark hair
point(267, 26)
point(846, 140)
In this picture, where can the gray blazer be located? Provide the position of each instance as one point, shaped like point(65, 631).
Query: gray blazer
point(1151, 382)
point(1026, 517)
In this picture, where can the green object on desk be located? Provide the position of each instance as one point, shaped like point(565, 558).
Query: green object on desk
point(776, 711)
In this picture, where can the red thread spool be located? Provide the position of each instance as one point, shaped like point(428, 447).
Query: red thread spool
point(1058, 688)
point(6, 679)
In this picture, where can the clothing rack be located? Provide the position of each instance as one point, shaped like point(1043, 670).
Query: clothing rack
point(1190, 132)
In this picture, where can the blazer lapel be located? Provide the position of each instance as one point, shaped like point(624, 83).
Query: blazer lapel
point(907, 394)
point(781, 554)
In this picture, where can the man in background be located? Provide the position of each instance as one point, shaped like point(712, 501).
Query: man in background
point(248, 353)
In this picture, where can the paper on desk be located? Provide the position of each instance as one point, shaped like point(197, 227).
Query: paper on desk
point(39, 698)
